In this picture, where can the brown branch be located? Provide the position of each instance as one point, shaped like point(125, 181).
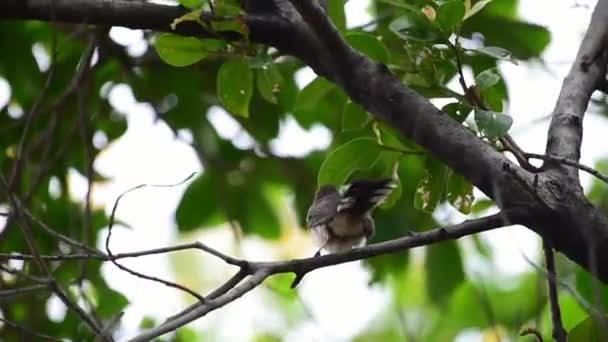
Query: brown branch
point(258, 271)
point(589, 68)
point(559, 333)
point(569, 162)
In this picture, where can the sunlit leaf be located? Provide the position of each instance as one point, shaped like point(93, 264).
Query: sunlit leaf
point(192, 3)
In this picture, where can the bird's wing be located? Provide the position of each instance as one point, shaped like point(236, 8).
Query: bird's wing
point(323, 209)
point(360, 197)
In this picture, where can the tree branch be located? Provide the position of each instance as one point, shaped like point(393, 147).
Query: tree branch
point(559, 333)
point(588, 70)
point(258, 271)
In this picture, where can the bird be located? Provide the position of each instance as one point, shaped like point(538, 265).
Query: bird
point(341, 219)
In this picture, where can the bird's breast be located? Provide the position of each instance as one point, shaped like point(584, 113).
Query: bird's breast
point(344, 225)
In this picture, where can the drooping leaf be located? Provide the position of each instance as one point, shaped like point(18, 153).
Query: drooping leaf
point(487, 79)
point(492, 124)
point(460, 193)
point(431, 188)
point(269, 82)
point(457, 111)
point(357, 154)
point(235, 86)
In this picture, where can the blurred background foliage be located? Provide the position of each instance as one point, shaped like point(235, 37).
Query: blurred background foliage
point(432, 298)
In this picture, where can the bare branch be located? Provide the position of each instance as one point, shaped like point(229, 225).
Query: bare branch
point(569, 162)
point(259, 271)
point(559, 333)
point(203, 308)
point(136, 273)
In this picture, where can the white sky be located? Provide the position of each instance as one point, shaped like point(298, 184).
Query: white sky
point(338, 297)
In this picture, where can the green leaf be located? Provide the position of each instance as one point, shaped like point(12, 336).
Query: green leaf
point(191, 3)
point(586, 286)
point(181, 51)
point(498, 53)
point(492, 124)
point(479, 5)
point(482, 205)
point(450, 14)
point(457, 111)
point(198, 206)
point(357, 154)
point(110, 301)
point(486, 79)
point(335, 10)
point(460, 193)
point(369, 45)
point(522, 40)
point(312, 94)
point(353, 116)
point(589, 330)
point(269, 82)
point(431, 189)
point(444, 271)
point(235, 86)
point(413, 26)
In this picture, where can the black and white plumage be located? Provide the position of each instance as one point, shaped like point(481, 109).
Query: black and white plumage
point(341, 219)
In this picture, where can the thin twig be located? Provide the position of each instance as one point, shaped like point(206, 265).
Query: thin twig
point(21, 291)
point(27, 332)
point(559, 333)
point(136, 273)
point(569, 162)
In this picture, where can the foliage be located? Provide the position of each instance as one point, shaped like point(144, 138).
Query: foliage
point(183, 77)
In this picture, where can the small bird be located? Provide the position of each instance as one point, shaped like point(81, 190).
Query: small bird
point(341, 219)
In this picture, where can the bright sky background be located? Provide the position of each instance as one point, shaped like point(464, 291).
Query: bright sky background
point(338, 299)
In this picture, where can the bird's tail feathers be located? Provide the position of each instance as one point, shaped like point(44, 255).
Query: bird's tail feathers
point(362, 196)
